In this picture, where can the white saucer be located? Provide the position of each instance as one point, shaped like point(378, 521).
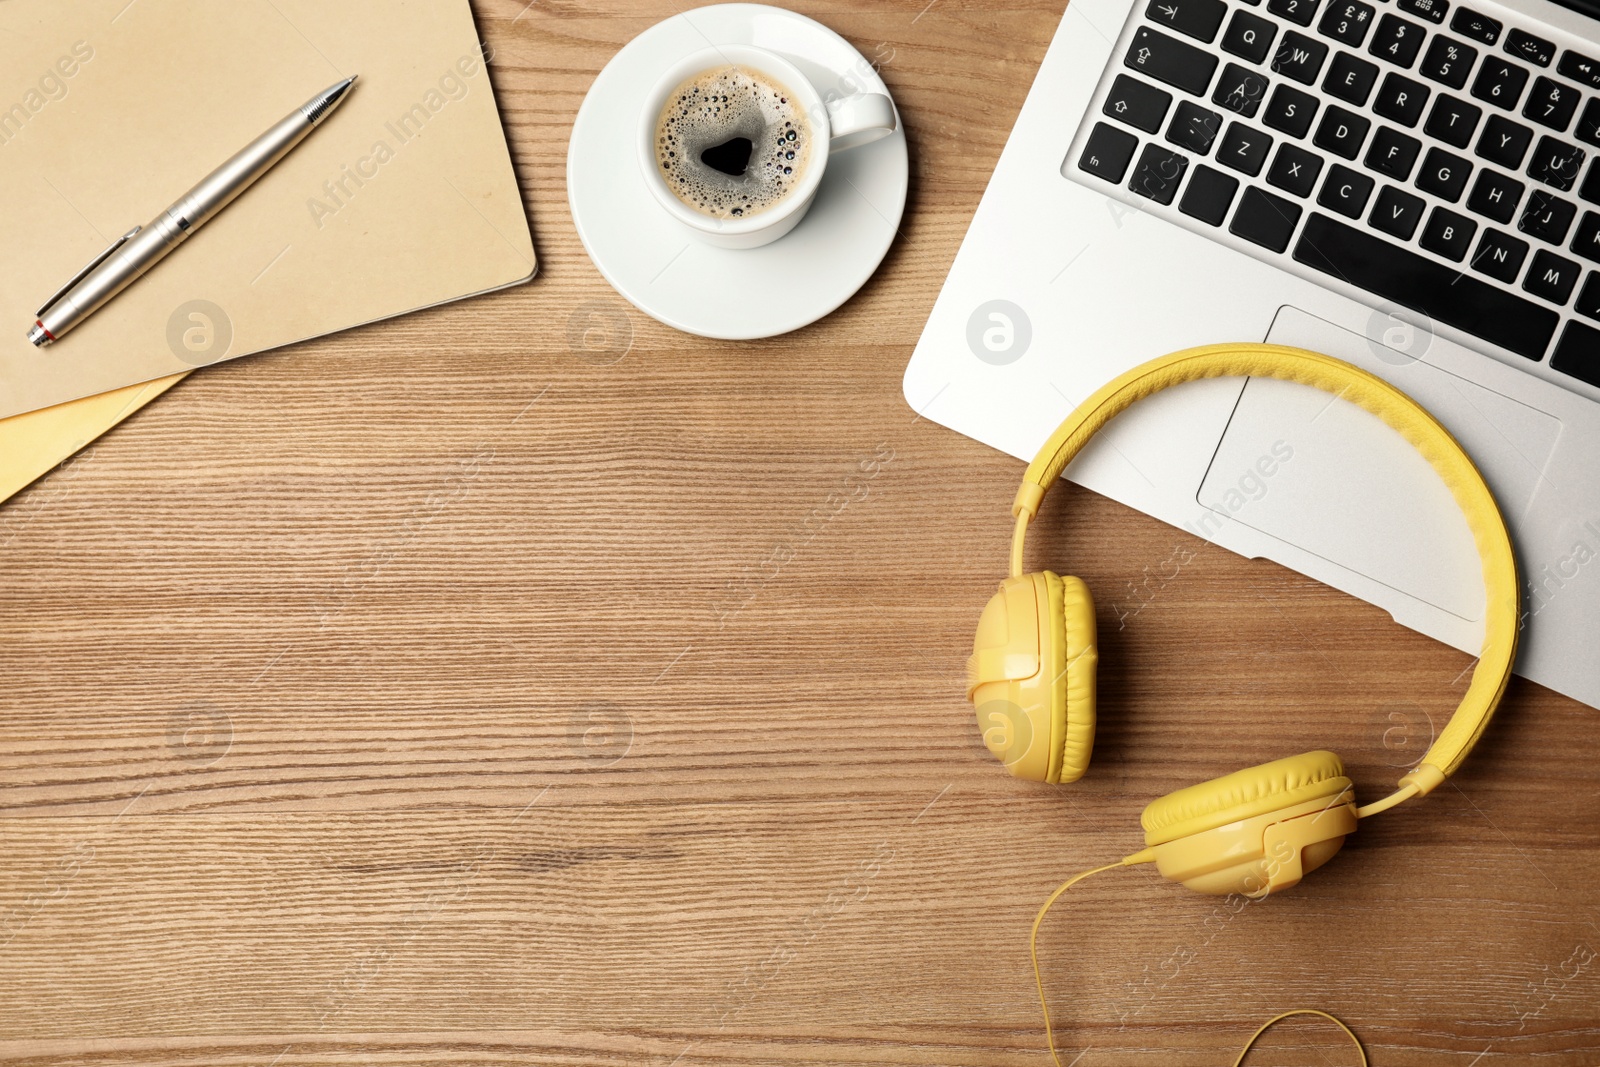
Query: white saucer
point(725, 293)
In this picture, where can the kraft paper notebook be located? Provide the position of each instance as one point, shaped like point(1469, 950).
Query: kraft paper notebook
point(110, 110)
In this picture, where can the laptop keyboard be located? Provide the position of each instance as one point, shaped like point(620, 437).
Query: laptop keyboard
point(1430, 156)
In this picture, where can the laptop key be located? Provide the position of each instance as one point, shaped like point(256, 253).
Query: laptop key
point(1192, 18)
point(1396, 273)
point(1107, 151)
point(1240, 90)
point(1535, 50)
point(1504, 142)
point(1265, 219)
point(1588, 302)
point(1345, 191)
point(1396, 212)
point(1294, 170)
point(1551, 277)
point(1300, 11)
point(1136, 103)
point(1208, 195)
point(1551, 103)
point(1401, 99)
point(1588, 129)
point(1547, 217)
point(1555, 163)
point(1590, 189)
point(1586, 242)
point(1580, 68)
point(1447, 62)
point(1480, 28)
point(1392, 153)
point(1346, 21)
point(1350, 79)
point(1299, 57)
point(1499, 255)
point(1170, 60)
point(1341, 132)
point(1452, 121)
point(1249, 36)
point(1244, 148)
point(1432, 10)
point(1290, 111)
point(1448, 234)
point(1396, 40)
point(1578, 352)
point(1495, 196)
point(1443, 175)
point(1194, 127)
point(1499, 83)
point(1158, 173)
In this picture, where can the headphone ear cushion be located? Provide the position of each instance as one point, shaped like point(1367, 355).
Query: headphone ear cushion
point(1078, 657)
point(1243, 795)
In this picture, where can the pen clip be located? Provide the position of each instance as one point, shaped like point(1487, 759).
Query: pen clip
point(93, 263)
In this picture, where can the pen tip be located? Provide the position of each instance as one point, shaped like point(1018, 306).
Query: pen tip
point(319, 106)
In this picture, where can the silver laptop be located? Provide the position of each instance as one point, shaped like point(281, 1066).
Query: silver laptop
point(1410, 185)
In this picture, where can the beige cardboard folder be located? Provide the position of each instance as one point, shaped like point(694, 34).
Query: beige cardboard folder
point(110, 110)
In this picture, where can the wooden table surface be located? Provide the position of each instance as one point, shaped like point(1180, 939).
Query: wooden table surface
point(450, 692)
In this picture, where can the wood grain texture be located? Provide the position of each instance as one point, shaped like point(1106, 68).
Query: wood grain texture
point(449, 692)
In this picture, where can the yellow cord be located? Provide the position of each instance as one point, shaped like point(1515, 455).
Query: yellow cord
point(1019, 537)
point(1403, 794)
point(1248, 1045)
point(1044, 1005)
point(1033, 950)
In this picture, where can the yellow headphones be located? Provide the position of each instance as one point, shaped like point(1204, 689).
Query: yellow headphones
point(1032, 671)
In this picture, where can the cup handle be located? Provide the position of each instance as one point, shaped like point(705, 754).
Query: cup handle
point(859, 119)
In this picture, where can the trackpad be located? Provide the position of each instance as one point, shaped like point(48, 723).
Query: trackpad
point(1331, 479)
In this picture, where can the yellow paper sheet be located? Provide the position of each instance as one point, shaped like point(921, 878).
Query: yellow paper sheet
point(35, 443)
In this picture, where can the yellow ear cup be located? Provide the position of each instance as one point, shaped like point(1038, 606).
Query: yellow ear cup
point(1256, 830)
point(1031, 676)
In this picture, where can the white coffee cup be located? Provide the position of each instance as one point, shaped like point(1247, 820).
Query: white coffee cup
point(838, 123)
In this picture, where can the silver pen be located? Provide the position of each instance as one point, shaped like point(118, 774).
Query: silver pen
point(144, 246)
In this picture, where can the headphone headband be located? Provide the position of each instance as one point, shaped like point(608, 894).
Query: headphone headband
point(1399, 411)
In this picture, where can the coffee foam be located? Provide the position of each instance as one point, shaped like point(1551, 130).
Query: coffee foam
point(714, 107)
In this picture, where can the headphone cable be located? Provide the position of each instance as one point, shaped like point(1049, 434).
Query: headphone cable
point(1351, 1034)
point(1044, 1005)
